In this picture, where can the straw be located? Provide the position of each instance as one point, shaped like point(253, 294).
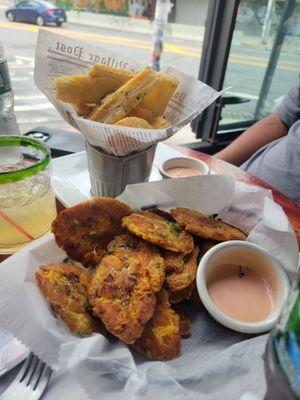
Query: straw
point(13, 223)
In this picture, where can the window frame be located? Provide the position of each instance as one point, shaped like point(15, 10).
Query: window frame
point(220, 24)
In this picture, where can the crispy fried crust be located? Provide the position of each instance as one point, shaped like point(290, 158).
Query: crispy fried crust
point(127, 245)
point(141, 112)
point(134, 122)
point(161, 123)
point(157, 100)
point(158, 230)
point(127, 97)
point(91, 88)
point(205, 227)
point(183, 294)
point(161, 337)
point(184, 274)
point(65, 287)
point(84, 231)
point(123, 287)
point(174, 262)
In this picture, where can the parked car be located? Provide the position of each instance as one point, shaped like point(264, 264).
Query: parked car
point(35, 11)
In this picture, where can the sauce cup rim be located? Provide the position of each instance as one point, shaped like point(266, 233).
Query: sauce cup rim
point(234, 324)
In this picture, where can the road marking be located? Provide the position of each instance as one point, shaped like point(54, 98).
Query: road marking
point(34, 107)
point(193, 52)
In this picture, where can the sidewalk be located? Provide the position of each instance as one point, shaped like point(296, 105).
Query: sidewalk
point(125, 24)
point(191, 33)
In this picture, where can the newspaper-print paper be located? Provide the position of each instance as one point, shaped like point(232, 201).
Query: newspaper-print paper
point(215, 362)
point(58, 55)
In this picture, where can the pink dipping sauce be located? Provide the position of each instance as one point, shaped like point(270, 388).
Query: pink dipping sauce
point(241, 293)
point(181, 172)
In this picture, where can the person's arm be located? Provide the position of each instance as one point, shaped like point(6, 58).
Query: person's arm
point(262, 132)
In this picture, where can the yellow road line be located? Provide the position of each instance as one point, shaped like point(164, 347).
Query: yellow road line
point(191, 52)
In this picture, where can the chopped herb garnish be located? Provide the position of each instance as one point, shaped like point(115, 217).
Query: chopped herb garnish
point(130, 243)
point(173, 228)
point(87, 305)
point(149, 354)
point(246, 231)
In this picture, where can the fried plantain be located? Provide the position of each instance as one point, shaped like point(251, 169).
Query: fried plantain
point(127, 245)
point(183, 294)
point(122, 292)
point(65, 287)
point(206, 227)
point(185, 273)
point(157, 230)
point(173, 261)
point(161, 337)
point(85, 230)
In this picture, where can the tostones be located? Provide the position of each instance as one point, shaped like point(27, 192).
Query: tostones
point(181, 282)
point(84, 231)
point(158, 230)
point(122, 292)
point(206, 227)
point(161, 337)
point(127, 245)
point(65, 287)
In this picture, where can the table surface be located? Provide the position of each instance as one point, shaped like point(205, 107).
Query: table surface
point(291, 209)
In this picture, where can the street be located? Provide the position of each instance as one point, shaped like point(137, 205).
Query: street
point(245, 69)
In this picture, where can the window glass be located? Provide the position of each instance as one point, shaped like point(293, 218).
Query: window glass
point(123, 26)
point(23, 4)
point(32, 4)
point(264, 60)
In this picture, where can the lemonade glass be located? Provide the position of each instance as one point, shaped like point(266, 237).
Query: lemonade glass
point(27, 200)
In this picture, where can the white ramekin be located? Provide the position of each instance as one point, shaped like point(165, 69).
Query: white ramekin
point(186, 162)
point(255, 257)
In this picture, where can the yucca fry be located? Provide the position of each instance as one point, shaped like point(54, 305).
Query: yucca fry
point(134, 122)
point(90, 89)
point(127, 97)
point(160, 123)
point(157, 99)
point(121, 76)
point(141, 112)
point(83, 110)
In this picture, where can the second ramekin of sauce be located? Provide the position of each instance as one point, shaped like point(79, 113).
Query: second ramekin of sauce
point(242, 286)
point(180, 167)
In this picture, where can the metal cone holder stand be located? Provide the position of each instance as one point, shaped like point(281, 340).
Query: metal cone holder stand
point(109, 174)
